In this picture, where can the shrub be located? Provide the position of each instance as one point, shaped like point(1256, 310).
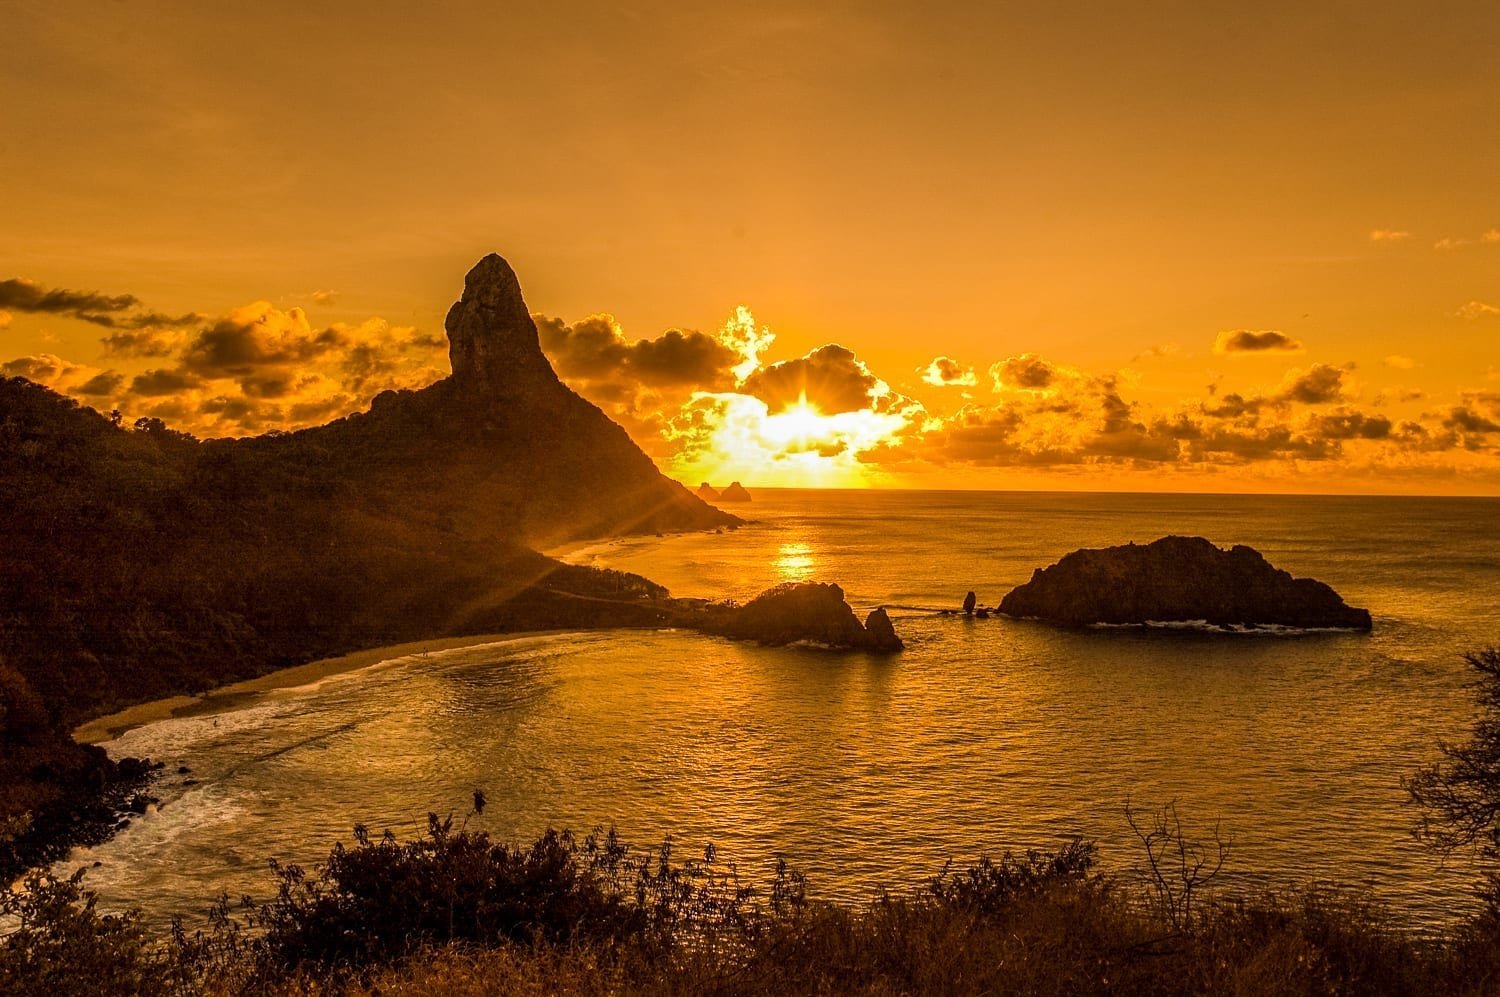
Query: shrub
point(382, 899)
point(62, 945)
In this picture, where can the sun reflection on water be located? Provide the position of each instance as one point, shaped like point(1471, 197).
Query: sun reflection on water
point(794, 562)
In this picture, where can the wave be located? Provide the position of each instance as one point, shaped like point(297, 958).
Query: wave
point(1203, 626)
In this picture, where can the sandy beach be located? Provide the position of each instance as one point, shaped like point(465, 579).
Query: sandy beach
point(226, 697)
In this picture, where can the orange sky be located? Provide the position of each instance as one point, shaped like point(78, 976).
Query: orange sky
point(1088, 196)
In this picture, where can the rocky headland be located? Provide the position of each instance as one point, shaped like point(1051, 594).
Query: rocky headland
point(801, 612)
point(1179, 579)
point(142, 563)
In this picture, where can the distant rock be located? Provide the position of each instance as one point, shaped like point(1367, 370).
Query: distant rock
point(735, 493)
point(881, 632)
point(1178, 579)
point(708, 492)
point(969, 601)
point(805, 611)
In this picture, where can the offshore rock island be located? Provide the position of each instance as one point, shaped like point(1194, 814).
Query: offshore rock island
point(1179, 579)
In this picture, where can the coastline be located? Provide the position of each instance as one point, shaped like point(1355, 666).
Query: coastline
point(107, 728)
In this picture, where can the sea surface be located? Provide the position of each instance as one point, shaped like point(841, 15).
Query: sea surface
point(870, 772)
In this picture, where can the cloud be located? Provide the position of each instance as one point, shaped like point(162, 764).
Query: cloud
point(1399, 362)
point(1047, 415)
point(1027, 372)
point(5, 318)
point(1318, 385)
point(642, 383)
point(254, 336)
point(1389, 235)
point(103, 384)
point(1478, 414)
point(596, 349)
point(1157, 351)
point(324, 297)
point(110, 310)
point(1448, 243)
point(22, 295)
point(742, 335)
point(1477, 310)
point(143, 343)
point(43, 368)
point(830, 378)
point(254, 368)
point(1252, 341)
point(1492, 236)
point(155, 383)
point(1470, 420)
point(947, 372)
point(1346, 424)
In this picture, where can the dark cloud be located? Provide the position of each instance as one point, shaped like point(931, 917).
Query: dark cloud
point(1350, 425)
point(1252, 341)
point(155, 383)
point(1318, 385)
point(142, 343)
point(43, 368)
point(595, 350)
point(640, 384)
point(269, 384)
point(1231, 406)
point(1027, 371)
point(1479, 414)
point(255, 337)
point(155, 320)
point(1238, 444)
point(101, 385)
point(109, 310)
point(19, 294)
point(831, 377)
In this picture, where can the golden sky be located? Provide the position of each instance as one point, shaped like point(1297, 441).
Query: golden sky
point(1182, 246)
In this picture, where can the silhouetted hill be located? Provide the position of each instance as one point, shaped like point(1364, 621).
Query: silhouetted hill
point(139, 563)
point(500, 448)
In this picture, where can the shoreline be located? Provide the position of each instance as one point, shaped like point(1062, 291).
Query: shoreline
point(220, 698)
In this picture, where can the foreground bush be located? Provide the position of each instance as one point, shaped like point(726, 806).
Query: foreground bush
point(455, 913)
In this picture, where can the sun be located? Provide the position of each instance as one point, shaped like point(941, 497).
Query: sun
point(738, 438)
point(800, 427)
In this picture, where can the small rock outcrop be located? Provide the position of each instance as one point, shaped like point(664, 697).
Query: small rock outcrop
point(814, 612)
point(881, 632)
point(969, 601)
point(735, 493)
point(1178, 579)
point(708, 492)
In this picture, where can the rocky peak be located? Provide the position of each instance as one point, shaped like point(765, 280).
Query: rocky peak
point(492, 341)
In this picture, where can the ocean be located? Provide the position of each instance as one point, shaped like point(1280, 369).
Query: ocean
point(868, 772)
